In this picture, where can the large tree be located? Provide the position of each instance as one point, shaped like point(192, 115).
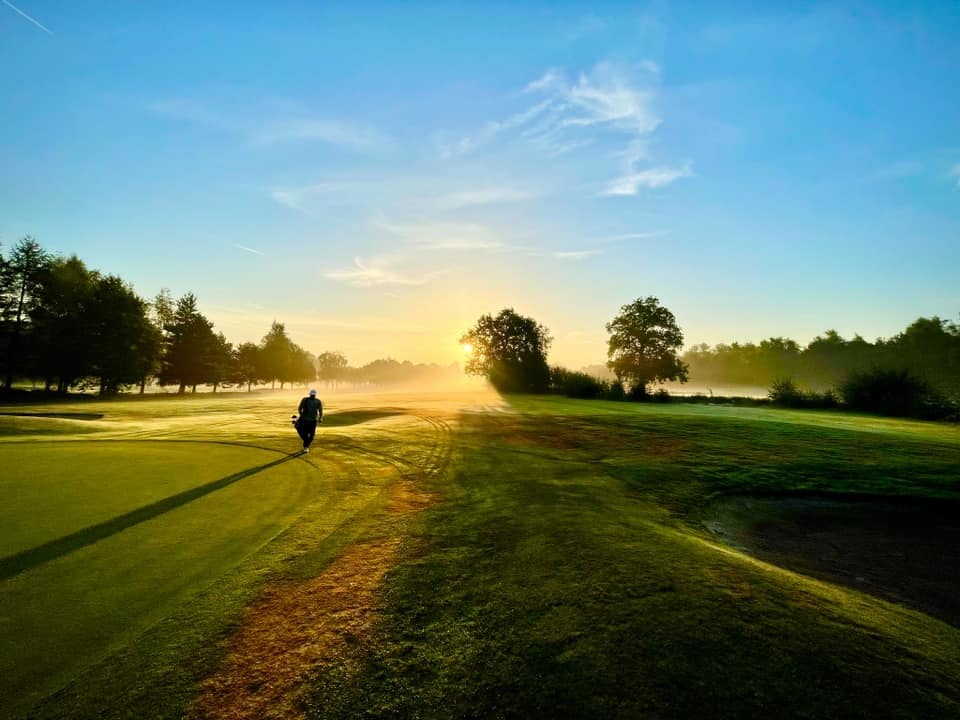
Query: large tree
point(123, 340)
point(246, 365)
point(276, 355)
point(331, 367)
point(160, 312)
point(643, 345)
point(190, 347)
point(62, 323)
point(510, 350)
point(20, 276)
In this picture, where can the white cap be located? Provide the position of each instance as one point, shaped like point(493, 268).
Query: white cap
point(313, 393)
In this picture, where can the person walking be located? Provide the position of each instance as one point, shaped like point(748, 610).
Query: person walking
point(311, 412)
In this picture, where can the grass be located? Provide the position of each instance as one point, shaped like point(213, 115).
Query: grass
point(564, 573)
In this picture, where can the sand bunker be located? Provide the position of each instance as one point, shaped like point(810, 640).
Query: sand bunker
point(905, 550)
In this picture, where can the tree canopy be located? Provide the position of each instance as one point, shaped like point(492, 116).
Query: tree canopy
point(510, 350)
point(644, 344)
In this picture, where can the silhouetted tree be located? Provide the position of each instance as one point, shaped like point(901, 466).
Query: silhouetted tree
point(20, 279)
point(123, 342)
point(303, 366)
point(221, 361)
point(62, 326)
point(643, 346)
point(331, 367)
point(190, 345)
point(511, 351)
point(279, 357)
point(160, 312)
point(246, 364)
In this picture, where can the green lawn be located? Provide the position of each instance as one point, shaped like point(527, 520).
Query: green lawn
point(564, 571)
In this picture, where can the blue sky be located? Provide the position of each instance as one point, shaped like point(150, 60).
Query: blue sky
point(379, 175)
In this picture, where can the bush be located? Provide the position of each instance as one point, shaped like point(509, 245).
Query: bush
point(616, 391)
point(894, 392)
point(786, 393)
point(577, 384)
point(661, 396)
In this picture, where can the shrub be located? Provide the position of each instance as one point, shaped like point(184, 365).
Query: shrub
point(576, 384)
point(786, 393)
point(894, 392)
point(616, 391)
point(661, 396)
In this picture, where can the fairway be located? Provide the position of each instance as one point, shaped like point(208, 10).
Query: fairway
point(449, 555)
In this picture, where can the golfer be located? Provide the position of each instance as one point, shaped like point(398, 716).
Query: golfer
point(311, 412)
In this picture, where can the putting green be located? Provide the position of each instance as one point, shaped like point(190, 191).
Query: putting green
point(119, 570)
point(51, 489)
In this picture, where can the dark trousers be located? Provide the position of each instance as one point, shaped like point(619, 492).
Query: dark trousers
point(306, 431)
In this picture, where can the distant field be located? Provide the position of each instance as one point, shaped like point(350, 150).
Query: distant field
point(455, 555)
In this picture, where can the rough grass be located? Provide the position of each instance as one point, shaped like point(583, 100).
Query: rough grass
point(561, 579)
point(563, 572)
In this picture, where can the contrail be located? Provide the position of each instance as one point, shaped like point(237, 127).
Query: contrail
point(21, 12)
point(242, 247)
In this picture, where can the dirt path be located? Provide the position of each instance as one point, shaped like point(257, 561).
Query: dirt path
point(292, 629)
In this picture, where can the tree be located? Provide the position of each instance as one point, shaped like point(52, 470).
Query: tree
point(643, 346)
point(246, 364)
point(18, 287)
point(221, 360)
point(276, 355)
point(160, 313)
point(331, 367)
point(123, 341)
point(190, 346)
point(510, 350)
point(62, 322)
point(303, 366)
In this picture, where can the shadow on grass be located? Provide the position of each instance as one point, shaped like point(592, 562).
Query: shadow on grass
point(356, 417)
point(61, 416)
point(28, 559)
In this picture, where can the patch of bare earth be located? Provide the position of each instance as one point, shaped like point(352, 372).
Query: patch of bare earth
point(292, 629)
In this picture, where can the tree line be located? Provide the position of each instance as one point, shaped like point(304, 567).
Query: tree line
point(916, 373)
point(510, 350)
point(67, 326)
point(928, 349)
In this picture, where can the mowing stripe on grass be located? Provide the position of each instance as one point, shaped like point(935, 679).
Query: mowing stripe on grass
point(27, 559)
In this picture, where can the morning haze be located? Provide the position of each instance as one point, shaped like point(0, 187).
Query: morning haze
point(490, 360)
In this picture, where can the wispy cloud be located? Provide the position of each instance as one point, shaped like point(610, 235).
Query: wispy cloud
point(445, 235)
point(320, 130)
point(195, 112)
point(473, 237)
point(23, 14)
point(483, 196)
point(573, 254)
point(491, 130)
point(308, 198)
point(623, 237)
point(247, 249)
point(955, 173)
point(609, 101)
point(365, 274)
point(294, 125)
point(651, 178)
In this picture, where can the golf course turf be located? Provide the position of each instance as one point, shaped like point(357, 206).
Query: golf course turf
point(450, 555)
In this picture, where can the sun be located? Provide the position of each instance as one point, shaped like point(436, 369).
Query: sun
point(467, 348)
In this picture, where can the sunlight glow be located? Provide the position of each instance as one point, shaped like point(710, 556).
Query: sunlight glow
point(467, 348)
